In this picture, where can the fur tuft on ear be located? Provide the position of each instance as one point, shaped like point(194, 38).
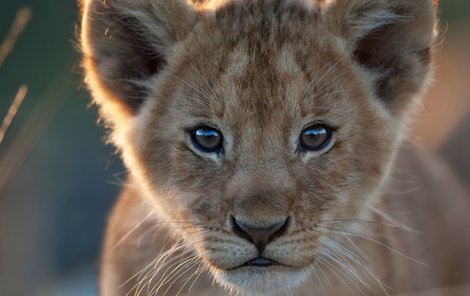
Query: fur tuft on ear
point(391, 39)
point(125, 43)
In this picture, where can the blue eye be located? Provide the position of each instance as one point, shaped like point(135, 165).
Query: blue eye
point(207, 139)
point(315, 138)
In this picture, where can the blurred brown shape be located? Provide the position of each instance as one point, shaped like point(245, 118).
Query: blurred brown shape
point(451, 291)
point(448, 100)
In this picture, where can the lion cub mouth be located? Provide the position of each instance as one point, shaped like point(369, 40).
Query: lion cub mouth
point(259, 262)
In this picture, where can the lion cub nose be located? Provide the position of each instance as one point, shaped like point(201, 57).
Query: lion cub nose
point(260, 237)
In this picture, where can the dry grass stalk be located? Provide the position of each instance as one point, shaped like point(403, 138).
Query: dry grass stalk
point(15, 105)
point(23, 16)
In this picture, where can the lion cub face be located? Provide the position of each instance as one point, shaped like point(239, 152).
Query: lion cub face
point(252, 122)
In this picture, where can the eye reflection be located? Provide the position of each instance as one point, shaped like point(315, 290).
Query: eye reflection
point(316, 137)
point(207, 140)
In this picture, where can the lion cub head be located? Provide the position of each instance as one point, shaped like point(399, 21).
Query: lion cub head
point(253, 121)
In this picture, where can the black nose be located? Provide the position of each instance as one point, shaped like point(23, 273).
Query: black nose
point(260, 237)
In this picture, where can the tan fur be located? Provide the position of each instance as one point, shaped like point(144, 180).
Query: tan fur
point(260, 71)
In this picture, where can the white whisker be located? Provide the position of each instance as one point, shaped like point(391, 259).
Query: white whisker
point(345, 232)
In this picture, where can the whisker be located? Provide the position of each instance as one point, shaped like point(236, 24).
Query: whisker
point(320, 79)
point(335, 271)
point(193, 87)
point(345, 258)
point(154, 272)
point(345, 232)
point(361, 221)
point(390, 219)
point(367, 269)
point(361, 262)
point(163, 256)
point(196, 274)
point(318, 277)
point(175, 274)
point(167, 265)
point(324, 275)
point(203, 78)
point(132, 230)
point(405, 191)
point(346, 267)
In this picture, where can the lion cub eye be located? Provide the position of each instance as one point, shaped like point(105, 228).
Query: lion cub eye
point(316, 138)
point(207, 139)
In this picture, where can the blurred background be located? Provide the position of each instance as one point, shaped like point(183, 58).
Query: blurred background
point(58, 179)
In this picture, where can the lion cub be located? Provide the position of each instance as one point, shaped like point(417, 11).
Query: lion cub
point(259, 137)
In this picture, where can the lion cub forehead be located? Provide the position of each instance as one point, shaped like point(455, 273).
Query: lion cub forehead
point(286, 63)
point(238, 61)
point(273, 79)
point(211, 5)
point(258, 59)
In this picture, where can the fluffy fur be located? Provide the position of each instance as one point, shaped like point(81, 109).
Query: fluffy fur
point(260, 71)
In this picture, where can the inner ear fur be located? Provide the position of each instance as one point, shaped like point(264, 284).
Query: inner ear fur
point(392, 39)
point(125, 43)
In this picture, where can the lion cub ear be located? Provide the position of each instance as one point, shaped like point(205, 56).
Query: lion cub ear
point(125, 43)
point(392, 39)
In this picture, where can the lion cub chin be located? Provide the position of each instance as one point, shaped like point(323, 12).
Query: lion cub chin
point(259, 136)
